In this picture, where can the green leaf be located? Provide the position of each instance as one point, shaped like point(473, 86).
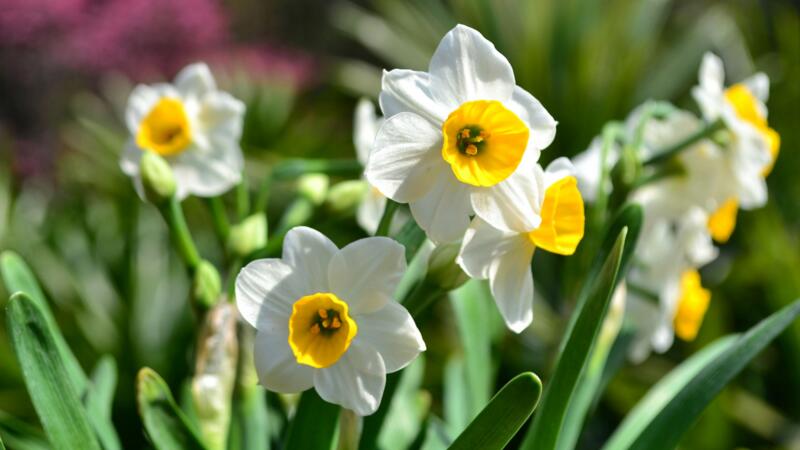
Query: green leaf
point(55, 399)
point(2, 446)
point(411, 236)
point(503, 416)
point(408, 409)
point(314, 424)
point(166, 425)
point(99, 400)
point(688, 399)
point(471, 304)
point(18, 277)
point(20, 435)
point(576, 351)
point(659, 395)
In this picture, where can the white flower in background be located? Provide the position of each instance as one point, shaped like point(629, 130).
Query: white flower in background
point(665, 296)
point(325, 318)
point(588, 164)
point(504, 257)
point(366, 126)
point(191, 124)
point(753, 144)
point(460, 139)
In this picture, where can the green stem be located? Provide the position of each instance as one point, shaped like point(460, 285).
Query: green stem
point(421, 297)
point(219, 217)
point(173, 214)
point(642, 292)
point(233, 271)
point(262, 197)
point(386, 218)
point(611, 131)
point(673, 150)
point(242, 199)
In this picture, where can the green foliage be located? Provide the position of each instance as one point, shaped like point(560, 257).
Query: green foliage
point(56, 399)
point(166, 425)
point(314, 424)
point(500, 420)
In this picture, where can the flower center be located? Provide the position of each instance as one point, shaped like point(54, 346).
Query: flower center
point(692, 306)
point(722, 222)
point(320, 329)
point(483, 142)
point(165, 129)
point(562, 215)
point(746, 106)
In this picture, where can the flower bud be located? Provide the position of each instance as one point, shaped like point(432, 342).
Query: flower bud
point(157, 178)
point(442, 268)
point(345, 196)
point(248, 235)
point(215, 373)
point(313, 186)
point(206, 286)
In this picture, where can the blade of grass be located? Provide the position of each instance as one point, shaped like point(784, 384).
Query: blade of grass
point(166, 425)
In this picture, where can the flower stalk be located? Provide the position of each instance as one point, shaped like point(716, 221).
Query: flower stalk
point(701, 134)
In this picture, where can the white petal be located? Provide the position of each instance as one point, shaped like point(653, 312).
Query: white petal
point(405, 158)
point(559, 169)
point(355, 382)
point(266, 289)
point(208, 172)
point(482, 245)
point(392, 332)
point(309, 252)
point(531, 111)
point(514, 203)
point(410, 91)
point(129, 163)
point(511, 284)
point(370, 210)
point(365, 126)
point(365, 273)
point(142, 99)
point(195, 80)
point(276, 366)
point(444, 211)
point(221, 116)
point(712, 74)
point(758, 85)
point(466, 66)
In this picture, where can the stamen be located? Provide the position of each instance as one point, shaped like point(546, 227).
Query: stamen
point(336, 323)
point(315, 329)
point(471, 150)
point(326, 323)
point(323, 313)
point(465, 133)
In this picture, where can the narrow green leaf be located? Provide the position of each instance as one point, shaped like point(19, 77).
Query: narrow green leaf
point(471, 303)
point(20, 435)
point(575, 353)
point(411, 236)
point(99, 400)
point(55, 399)
point(408, 409)
point(2, 446)
point(659, 395)
point(314, 424)
point(166, 425)
point(503, 416)
point(665, 429)
point(18, 277)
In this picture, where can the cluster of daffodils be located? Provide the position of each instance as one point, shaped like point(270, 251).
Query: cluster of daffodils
point(693, 199)
point(460, 144)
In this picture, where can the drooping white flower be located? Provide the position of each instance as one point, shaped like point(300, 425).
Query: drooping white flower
point(665, 296)
point(369, 212)
point(191, 124)
point(460, 139)
point(325, 318)
point(504, 257)
point(753, 144)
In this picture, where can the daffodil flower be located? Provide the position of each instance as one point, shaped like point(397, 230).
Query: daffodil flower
point(325, 318)
point(667, 259)
point(370, 209)
point(460, 139)
point(504, 257)
point(753, 144)
point(191, 124)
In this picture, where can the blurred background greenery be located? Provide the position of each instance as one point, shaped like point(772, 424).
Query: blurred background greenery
point(67, 66)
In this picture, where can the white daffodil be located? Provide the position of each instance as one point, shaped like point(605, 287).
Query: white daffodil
point(504, 257)
point(460, 139)
point(325, 318)
point(665, 296)
point(753, 144)
point(369, 212)
point(191, 124)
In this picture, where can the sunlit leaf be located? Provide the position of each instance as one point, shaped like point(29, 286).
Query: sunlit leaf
point(166, 425)
point(314, 424)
